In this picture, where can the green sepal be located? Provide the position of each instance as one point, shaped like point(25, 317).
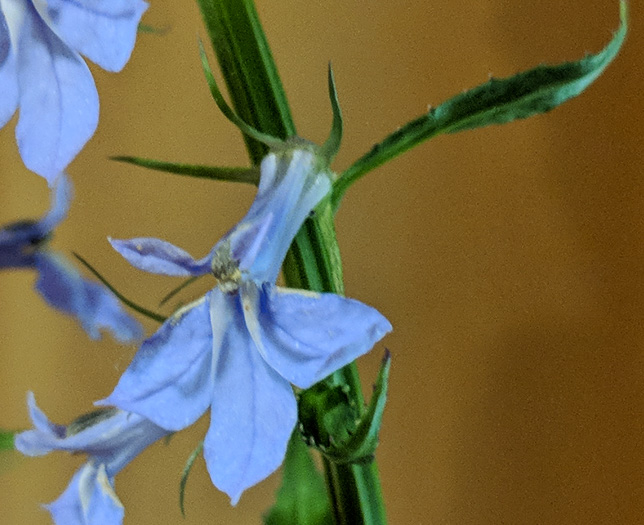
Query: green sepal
point(302, 499)
point(332, 145)
point(7, 440)
point(327, 415)
point(498, 101)
point(127, 302)
point(245, 128)
point(246, 175)
point(186, 472)
point(330, 423)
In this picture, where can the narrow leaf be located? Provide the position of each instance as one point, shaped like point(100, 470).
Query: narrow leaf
point(176, 290)
point(184, 476)
point(247, 175)
point(332, 145)
point(496, 102)
point(143, 311)
point(302, 498)
point(248, 68)
point(271, 142)
point(145, 28)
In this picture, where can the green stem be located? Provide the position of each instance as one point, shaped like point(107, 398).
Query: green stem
point(313, 262)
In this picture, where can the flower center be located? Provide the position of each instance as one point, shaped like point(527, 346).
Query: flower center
point(226, 269)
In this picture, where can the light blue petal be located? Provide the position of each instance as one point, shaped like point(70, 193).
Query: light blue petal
point(8, 75)
point(102, 30)
point(252, 417)
point(305, 336)
point(112, 437)
point(89, 499)
point(58, 99)
point(157, 256)
point(61, 197)
point(290, 187)
point(45, 436)
point(92, 304)
point(169, 380)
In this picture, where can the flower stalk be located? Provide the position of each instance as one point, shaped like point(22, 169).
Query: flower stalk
point(313, 262)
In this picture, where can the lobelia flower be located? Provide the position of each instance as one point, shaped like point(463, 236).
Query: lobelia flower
point(23, 244)
point(238, 349)
point(42, 72)
point(111, 437)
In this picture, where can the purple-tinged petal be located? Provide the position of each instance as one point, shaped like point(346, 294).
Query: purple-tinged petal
point(253, 415)
point(169, 380)
point(58, 99)
point(305, 336)
point(93, 305)
point(8, 74)
point(89, 499)
point(102, 30)
point(157, 256)
point(61, 197)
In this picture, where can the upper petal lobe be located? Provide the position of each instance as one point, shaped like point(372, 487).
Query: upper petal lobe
point(58, 99)
point(102, 30)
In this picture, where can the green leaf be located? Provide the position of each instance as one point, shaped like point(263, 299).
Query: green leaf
point(302, 498)
point(177, 289)
point(495, 102)
point(145, 28)
point(248, 68)
point(247, 175)
point(6, 440)
point(332, 145)
point(184, 476)
point(143, 311)
point(247, 129)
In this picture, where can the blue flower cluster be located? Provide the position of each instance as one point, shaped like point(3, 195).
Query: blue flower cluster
point(237, 352)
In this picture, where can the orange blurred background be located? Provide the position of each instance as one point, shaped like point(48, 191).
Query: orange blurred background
point(510, 260)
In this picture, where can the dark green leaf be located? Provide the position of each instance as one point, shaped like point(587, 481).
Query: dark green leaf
point(143, 311)
point(248, 175)
point(184, 476)
point(302, 498)
point(177, 289)
point(495, 102)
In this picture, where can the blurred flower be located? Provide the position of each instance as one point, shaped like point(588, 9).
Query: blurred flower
point(238, 348)
point(111, 437)
point(24, 245)
point(42, 72)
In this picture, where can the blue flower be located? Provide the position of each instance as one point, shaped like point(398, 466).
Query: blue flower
point(24, 245)
point(42, 72)
point(238, 349)
point(111, 437)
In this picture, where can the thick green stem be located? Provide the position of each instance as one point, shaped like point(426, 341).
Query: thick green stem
point(313, 261)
